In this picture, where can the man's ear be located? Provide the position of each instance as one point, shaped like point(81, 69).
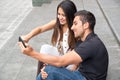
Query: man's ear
point(86, 25)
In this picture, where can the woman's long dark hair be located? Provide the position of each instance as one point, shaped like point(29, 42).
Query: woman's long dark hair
point(69, 9)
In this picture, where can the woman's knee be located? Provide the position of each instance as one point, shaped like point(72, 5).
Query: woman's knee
point(45, 48)
point(49, 49)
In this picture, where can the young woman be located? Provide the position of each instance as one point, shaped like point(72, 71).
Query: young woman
point(63, 37)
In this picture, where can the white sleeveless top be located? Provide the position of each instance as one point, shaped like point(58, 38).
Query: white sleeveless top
point(64, 43)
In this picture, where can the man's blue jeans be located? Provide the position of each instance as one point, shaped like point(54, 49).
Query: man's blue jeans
point(55, 73)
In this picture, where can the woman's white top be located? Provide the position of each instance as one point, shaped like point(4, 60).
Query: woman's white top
point(65, 42)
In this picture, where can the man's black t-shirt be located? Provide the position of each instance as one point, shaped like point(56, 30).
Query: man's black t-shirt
point(94, 56)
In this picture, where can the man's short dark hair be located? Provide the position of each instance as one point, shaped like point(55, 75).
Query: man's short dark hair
point(87, 16)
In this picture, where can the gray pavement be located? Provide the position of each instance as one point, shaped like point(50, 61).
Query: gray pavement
point(112, 14)
point(12, 14)
point(16, 66)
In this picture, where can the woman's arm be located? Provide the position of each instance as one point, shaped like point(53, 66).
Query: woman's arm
point(39, 30)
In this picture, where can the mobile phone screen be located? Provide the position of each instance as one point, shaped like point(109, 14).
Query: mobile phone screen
point(20, 40)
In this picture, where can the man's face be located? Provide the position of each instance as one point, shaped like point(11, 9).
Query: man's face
point(61, 16)
point(77, 27)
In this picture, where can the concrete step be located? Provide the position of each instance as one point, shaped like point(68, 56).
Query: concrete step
point(38, 3)
point(112, 14)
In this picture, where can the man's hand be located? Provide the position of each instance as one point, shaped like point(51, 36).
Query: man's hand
point(28, 50)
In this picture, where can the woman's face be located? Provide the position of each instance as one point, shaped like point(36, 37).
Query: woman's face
point(61, 16)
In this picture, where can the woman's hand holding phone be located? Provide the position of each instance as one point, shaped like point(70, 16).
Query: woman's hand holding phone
point(21, 40)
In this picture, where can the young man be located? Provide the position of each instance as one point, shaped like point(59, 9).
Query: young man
point(90, 54)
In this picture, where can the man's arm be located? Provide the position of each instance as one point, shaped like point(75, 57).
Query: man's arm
point(69, 58)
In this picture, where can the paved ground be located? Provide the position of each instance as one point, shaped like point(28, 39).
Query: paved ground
point(19, 18)
point(12, 14)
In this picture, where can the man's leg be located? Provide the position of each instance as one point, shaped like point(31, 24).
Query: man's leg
point(55, 73)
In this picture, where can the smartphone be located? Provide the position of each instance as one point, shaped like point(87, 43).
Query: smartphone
point(21, 40)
